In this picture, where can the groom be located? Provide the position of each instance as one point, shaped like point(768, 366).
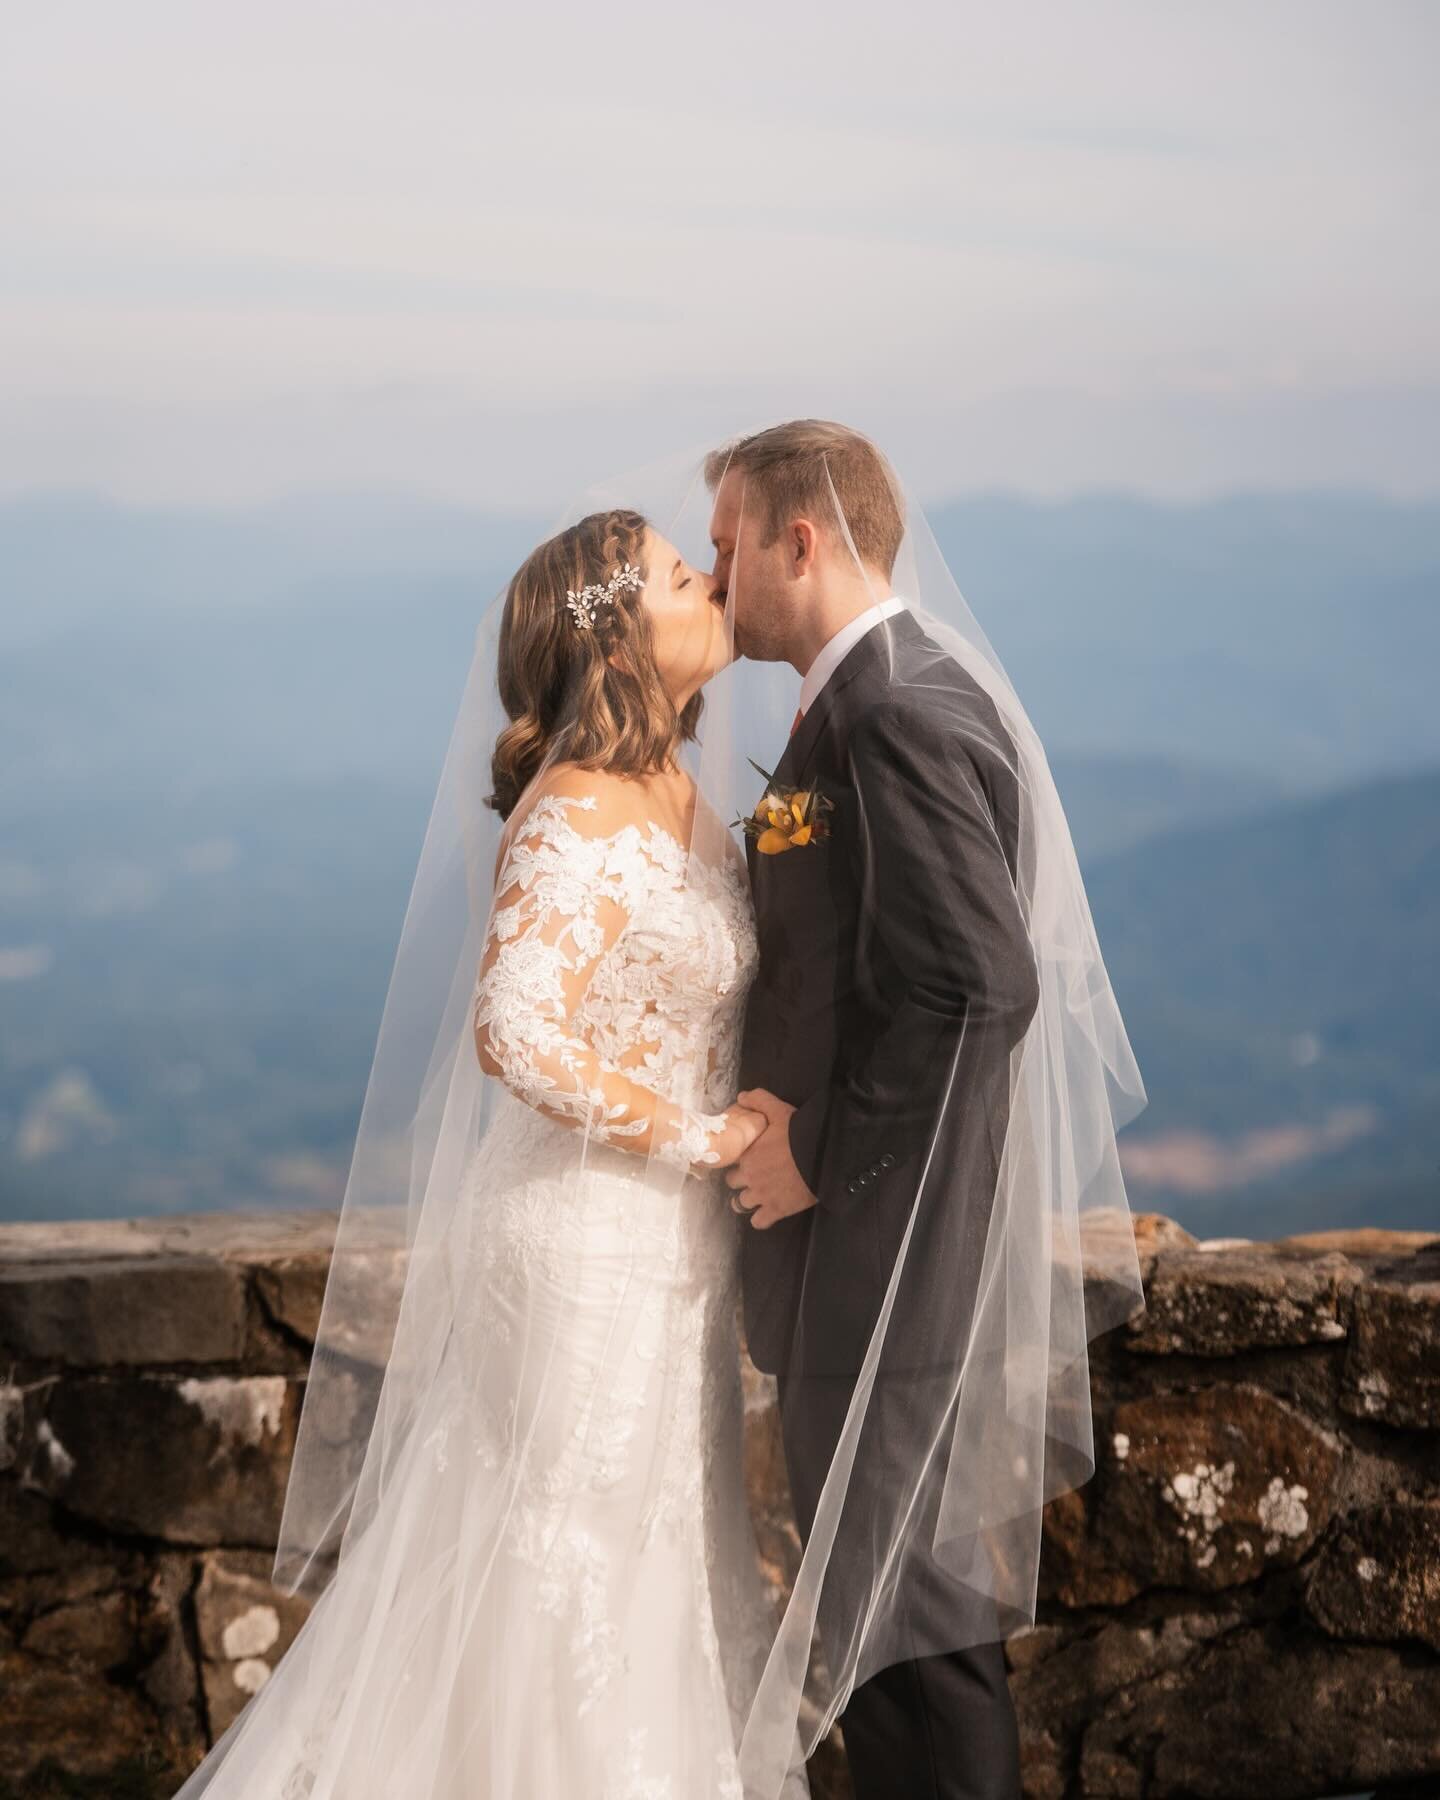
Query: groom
point(896, 975)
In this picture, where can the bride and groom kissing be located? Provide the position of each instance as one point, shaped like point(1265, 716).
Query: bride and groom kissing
point(799, 1078)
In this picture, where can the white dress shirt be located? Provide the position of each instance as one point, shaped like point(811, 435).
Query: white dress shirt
point(844, 640)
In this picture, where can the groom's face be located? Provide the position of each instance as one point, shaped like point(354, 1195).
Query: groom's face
point(751, 571)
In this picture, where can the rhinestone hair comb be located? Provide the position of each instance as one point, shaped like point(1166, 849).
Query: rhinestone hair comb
point(585, 606)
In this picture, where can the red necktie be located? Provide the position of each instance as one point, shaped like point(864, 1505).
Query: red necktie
point(795, 722)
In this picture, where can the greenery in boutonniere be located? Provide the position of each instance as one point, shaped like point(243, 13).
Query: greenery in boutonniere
point(786, 818)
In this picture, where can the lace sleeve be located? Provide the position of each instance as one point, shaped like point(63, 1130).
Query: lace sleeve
point(563, 898)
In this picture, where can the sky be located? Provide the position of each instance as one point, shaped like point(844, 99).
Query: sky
point(483, 254)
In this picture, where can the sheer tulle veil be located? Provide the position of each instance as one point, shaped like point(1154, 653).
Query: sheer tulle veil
point(968, 1414)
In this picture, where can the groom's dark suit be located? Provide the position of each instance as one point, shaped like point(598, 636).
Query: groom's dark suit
point(895, 970)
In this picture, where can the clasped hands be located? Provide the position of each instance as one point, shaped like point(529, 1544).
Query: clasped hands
point(759, 1169)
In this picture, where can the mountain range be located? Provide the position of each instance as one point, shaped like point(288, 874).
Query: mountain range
point(219, 739)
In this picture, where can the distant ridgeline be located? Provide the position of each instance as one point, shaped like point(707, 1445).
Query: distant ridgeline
point(198, 1032)
point(202, 882)
point(1242, 1601)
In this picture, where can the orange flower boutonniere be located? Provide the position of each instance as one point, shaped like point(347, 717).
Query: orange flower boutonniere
point(786, 818)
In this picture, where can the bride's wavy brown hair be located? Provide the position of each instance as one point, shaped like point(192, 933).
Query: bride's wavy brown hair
point(589, 697)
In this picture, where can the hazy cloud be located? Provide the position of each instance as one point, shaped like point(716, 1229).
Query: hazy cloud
point(483, 256)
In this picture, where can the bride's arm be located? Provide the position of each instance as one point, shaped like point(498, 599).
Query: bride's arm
point(562, 900)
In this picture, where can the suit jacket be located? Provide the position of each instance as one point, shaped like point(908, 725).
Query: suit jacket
point(896, 975)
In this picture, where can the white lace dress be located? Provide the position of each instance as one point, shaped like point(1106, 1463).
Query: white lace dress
point(560, 1598)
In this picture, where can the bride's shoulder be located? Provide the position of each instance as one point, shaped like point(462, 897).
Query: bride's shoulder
point(589, 802)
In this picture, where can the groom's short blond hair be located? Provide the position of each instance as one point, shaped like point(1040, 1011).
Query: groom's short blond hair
point(791, 469)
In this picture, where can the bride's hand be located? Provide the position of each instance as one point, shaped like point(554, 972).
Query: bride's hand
point(736, 1135)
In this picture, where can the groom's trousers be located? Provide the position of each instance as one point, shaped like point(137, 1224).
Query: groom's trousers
point(928, 1727)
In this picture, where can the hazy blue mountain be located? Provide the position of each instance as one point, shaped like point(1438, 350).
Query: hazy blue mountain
point(71, 559)
point(1295, 633)
point(1112, 802)
point(310, 639)
point(220, 734)
point(1280, 979)
point(212, 971)
point(1293, 636)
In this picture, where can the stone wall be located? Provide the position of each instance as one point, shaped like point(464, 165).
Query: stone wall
point(1245, 1599)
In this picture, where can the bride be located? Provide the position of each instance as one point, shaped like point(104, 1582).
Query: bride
point(552, 1586)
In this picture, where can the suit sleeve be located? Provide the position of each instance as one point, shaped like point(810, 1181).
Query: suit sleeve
point(941, 921)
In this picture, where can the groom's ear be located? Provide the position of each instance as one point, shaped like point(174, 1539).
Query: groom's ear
point(804, 540)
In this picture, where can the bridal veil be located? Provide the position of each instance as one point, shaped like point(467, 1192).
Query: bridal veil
point(969, 1406)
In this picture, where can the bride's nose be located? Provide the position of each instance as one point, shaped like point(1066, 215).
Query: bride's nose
point(704, 581)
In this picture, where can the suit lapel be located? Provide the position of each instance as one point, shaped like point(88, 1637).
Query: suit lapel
point(871, 652)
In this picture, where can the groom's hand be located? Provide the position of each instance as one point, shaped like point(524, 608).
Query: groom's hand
point(773, 1187)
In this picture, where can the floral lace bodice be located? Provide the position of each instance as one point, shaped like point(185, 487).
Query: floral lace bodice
point(612, 983)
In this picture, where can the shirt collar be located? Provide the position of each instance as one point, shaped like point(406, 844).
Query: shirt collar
point(844, 640)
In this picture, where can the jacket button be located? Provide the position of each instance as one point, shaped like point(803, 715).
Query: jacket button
point(853, 1187)
point(887, 1161)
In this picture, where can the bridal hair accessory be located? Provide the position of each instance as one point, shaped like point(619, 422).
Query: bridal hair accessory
point(585, 606)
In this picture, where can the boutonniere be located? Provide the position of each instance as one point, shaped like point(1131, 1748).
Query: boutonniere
point(786, 818)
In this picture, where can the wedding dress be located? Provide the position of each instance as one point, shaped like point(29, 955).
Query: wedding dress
point(559, 1596)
